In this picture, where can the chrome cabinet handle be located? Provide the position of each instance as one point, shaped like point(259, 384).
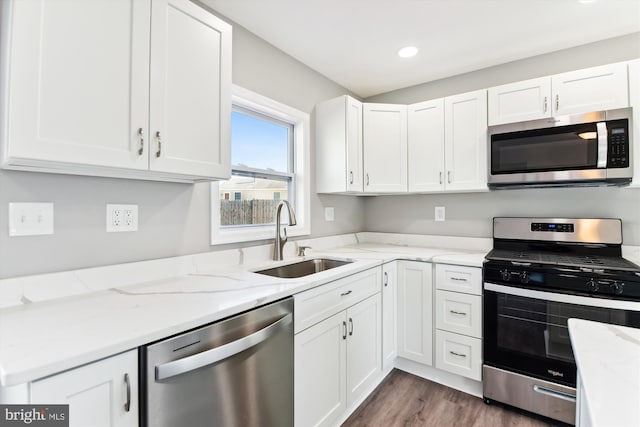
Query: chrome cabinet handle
point(141, 139)
point(344, 329)
point(214, 355)
point(449, 177)
point(386, 278)
point(557, 102)
point(159, 144)
point(345, 293)
point(367, 179)
point(545, 104)
point(458, 279)
point(127, 405)
point(440, 177)
point(350, 326)
point(350, 177)
point(457, 354)
point(457, 312)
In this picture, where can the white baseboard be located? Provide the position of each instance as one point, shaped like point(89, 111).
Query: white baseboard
point(457, 382)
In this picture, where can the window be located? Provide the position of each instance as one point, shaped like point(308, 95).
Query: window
point(269, 163)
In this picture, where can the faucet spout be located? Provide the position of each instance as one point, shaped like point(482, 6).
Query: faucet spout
point(280, 241)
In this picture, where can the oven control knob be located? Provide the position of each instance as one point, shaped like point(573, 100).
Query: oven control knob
point(592, 285)
point(505, 275)
point(617, 287)
point(524, 277)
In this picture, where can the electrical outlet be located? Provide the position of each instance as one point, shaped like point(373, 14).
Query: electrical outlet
point(329, 214)
point(122, 218)
point(439, 213)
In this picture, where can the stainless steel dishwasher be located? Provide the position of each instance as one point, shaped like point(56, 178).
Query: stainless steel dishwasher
point(236, 372)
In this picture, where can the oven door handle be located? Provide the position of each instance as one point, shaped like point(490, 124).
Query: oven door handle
point(554, 393)
point(215, 355)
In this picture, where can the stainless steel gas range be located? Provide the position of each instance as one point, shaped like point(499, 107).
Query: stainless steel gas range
point(540, 273)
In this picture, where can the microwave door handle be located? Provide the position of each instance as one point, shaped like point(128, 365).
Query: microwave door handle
point(603, 145)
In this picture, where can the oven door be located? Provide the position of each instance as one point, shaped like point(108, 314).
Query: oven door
point(525, 331)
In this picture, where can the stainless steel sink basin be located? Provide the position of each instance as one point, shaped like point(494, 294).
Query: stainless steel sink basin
point(303, 268)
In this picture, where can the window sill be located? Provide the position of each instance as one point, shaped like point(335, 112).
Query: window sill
point(237, 235)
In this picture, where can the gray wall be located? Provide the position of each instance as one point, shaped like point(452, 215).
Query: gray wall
point(173, 218)
point(471, 214)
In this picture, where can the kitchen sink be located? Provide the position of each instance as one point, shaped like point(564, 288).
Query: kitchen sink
point(303, 268)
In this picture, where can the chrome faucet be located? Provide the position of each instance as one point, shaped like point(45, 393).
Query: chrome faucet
point(280, 241)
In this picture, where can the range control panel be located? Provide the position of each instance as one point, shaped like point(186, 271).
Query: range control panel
point(551, 226)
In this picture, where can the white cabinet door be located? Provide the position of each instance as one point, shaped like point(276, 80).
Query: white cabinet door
point(466, 141)
point(389, 314)
point(519, 101)
point(320, 372)
point(591, 89)
point(77, 90)
point(415, 316)
point(96, 393)
point(385, 148)
point(339, 158)
point(363, 347)
point(190, 104)
point(634, 101)
point(426, 146)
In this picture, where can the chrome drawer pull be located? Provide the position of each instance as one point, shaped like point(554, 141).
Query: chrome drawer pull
point(457, 312)
point(350, 177)
point(457, 354)
point(345, 293)
point(458, 279)
point(127, 405)
point(141, 138)
point(350, 326)
point(554, 393)
point(344, 330)
point(386, 278)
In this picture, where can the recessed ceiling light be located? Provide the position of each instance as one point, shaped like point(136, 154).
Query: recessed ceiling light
point(408, 52)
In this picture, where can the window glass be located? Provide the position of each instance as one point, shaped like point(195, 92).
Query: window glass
point(259, 142)
point(255, 200)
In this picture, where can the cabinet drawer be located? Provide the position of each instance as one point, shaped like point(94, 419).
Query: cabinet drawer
point(457, 278)
point(326, 300)
point(459, 313)
point(459, 354)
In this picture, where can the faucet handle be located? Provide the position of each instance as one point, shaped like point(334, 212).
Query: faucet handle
point(301, 250)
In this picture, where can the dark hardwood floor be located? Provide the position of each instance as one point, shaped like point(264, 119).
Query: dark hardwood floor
point(403, 399)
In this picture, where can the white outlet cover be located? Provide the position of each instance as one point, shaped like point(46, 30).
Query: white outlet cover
point(439, 213)
point(30, 219)
point(122, 218)
point(329, 214)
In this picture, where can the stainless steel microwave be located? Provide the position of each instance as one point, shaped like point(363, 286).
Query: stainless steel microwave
point(585, 149)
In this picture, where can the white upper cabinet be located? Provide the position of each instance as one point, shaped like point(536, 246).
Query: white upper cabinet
point(520, 101)
point(582, 91)
point(591, 89)
point(80, 93)
point(426, 167)
point(465, 135)
point(190, 90)
point(339, 157)
point(634, 103)
point(385, 148)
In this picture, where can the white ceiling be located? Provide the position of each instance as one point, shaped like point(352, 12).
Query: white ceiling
point(354, 42)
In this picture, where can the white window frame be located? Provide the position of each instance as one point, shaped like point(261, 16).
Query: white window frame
point(302, 173)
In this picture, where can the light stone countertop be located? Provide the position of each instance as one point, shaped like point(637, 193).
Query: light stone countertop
point(608, 359)
point(46, 334)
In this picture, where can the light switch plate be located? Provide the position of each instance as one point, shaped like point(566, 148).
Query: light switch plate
point(439, 213)
point(30, 219)
point(329, 214)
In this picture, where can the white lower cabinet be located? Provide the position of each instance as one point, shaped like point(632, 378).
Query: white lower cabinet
point(100, 394)
point(458, 308)
point(459, 354)
point(338, 359)
point(415, 302)
point(389, 314)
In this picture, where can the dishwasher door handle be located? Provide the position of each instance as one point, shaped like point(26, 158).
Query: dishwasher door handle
point(191, 363)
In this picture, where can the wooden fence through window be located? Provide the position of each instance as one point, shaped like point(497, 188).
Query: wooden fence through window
point(239, 212)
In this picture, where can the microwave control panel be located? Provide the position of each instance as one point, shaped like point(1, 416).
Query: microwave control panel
point(618, 156)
